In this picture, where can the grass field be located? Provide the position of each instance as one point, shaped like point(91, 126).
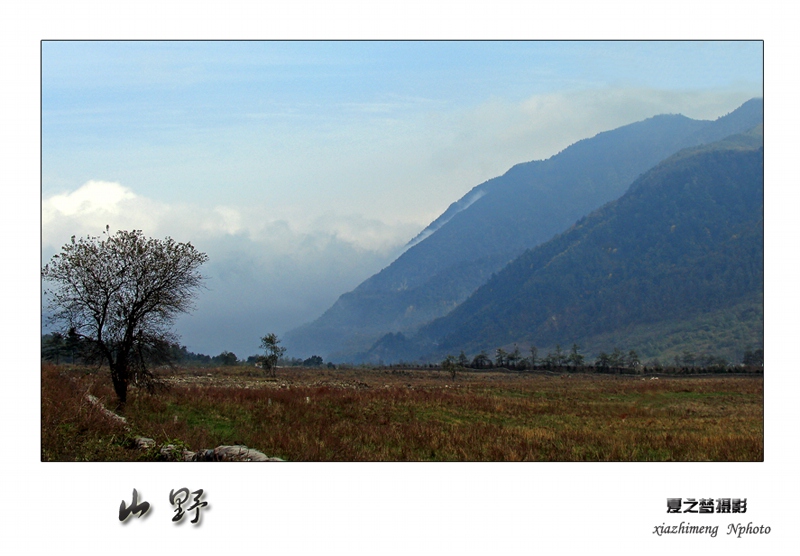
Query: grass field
point(411, 415)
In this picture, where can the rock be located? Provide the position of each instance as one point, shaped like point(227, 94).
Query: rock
point(110, 414)
point(144, 443)
point(170, 451)
point(232, 453)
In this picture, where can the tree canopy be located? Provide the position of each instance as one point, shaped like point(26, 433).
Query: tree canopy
point(272, 352)
point(122, 293)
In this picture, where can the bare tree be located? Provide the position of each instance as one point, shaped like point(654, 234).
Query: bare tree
point(120, 294)
point(534, 354)
point(451, 365)
point(273, 352)
point(500, 357)
point(575, 357)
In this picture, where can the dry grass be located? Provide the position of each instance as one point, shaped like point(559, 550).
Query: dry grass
point(74, 429)
point(382, 415)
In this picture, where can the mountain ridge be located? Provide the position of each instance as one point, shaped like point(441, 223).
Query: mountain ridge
point(687, 238)
point(495, 222)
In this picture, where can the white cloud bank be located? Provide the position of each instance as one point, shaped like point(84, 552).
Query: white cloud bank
point(95, 204)
point(264, 273)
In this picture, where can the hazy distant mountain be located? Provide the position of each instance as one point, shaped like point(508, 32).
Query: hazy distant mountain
point(495, 222)
point(682, 250)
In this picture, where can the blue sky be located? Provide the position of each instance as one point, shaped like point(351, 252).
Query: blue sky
point(304, 167)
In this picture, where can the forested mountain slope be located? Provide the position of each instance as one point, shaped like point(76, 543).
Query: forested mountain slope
point(686, 241)
point(495, 222)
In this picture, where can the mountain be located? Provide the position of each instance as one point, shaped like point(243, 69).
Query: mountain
point(495, 222)
point(681, 252)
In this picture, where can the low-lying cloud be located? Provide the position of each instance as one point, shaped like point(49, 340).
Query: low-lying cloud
point(265, 274)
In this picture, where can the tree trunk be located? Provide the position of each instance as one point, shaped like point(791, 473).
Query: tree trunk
point(119, 377)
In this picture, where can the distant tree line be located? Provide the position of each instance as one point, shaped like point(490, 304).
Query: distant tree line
point(70, 348)
point(313, 361)
point(618, 361)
